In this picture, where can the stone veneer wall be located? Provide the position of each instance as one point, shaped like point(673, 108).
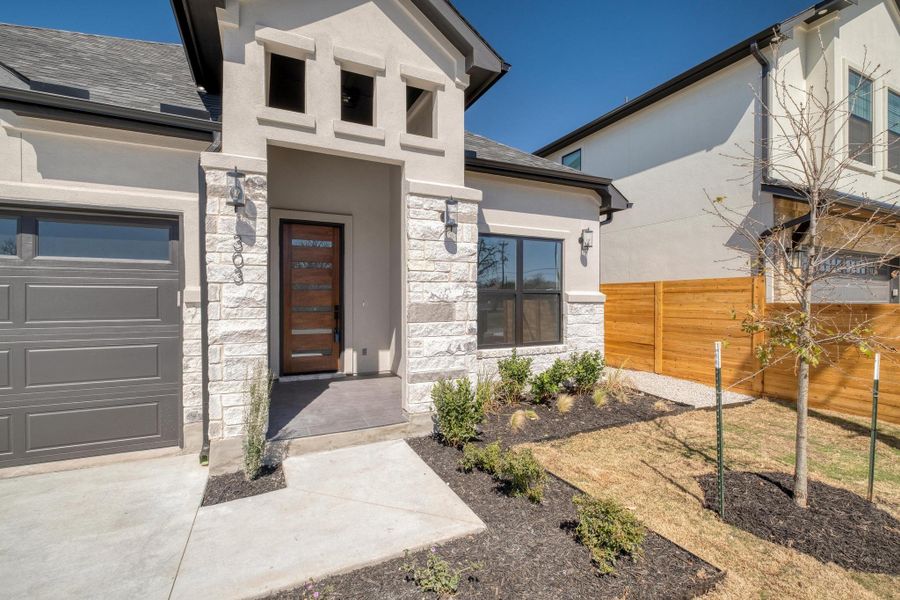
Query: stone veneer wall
point(192, 363)
point(582, 331)
point(238, 320)
point(441, 297)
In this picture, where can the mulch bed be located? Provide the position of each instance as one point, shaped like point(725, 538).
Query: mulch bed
point(583, 417)
point(838, 526)
point(527, 551)
point(233, 486)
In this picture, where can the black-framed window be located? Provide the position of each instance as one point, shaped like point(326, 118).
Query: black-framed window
point(287, 83)
point(357, 98)
point(573, 159)
point(861, 112)
point(893, 133)
point(519, 291)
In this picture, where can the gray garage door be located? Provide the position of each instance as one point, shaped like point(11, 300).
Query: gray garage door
point(90, 335)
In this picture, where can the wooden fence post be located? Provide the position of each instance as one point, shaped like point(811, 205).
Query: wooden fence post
point(758, 300)
point(658, 327)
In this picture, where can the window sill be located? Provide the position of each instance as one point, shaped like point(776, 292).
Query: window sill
point(861, 167)
point(585, 297)
point(366, 133)
point(522, 351)
point(419, 143)
point(266, 115)
point(891, 176)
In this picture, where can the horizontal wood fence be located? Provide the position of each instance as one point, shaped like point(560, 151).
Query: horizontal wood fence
point(669, 327)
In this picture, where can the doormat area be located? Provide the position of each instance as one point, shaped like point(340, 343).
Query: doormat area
point(234, 486)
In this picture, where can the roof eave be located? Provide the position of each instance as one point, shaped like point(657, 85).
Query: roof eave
point(76, 110)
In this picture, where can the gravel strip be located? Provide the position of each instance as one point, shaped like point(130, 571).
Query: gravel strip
point(682, 391)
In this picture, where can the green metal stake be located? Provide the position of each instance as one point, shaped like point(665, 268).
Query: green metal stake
point(720, 437)
point(874, 426)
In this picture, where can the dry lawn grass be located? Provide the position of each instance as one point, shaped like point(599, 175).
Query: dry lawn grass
point(652, 467)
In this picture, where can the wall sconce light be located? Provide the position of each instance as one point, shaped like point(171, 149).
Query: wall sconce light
point(451, 218)
point(236, 190)
point(586, 240)
point(798, 257)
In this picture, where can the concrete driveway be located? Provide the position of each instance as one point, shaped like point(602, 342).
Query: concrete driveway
point(113, 531)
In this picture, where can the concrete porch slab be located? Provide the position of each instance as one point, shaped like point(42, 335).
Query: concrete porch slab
point(341, 510)
point(110, 531)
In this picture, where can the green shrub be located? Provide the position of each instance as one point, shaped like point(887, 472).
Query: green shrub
point(524, 474)
point(608, 529)
point(256, 419)
point(437, 575)
point(457, 412)
point(560, 373)
point(586, 370)
point(487, 458)
point(543, 387)
point(514, 373)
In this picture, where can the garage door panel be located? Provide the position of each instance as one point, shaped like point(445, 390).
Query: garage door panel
point(4, 369)
point(65, 428)
point(91, 365)
point(6, 447)
point(84, 302)
point(5, 291)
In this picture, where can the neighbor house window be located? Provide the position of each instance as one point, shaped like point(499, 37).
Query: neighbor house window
point(287, 83)
point(893, 134)
point(357, 98)
point(573, 159)
point(419, 111)
point(860, 127)
point(519, 291)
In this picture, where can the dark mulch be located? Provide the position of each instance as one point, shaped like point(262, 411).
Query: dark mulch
point(233, 486)
point(583, 417)
point(838, 526)
point(528, 551)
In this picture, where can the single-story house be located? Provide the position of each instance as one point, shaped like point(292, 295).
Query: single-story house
point(674, 148)
point(294, 187)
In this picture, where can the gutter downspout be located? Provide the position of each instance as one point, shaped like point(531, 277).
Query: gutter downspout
point(764, 112)
point(216, 146)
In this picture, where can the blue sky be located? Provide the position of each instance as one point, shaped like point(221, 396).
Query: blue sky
point(572, 60)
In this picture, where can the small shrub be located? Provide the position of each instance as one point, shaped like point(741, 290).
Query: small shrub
point(608, 529)
point(487, 458)
point(437, 575)
point(256, 418)
point(543, 387)
point(599, 397)
point(618, 385)
point(560, 373)
point(524, 474)
point(564, 403)
point(586, 370)
point(457, 412)
point(514, 373)
point(520, 418)
point(487, 392)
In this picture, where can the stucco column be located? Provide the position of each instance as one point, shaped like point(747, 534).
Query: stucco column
point(237, 292)
point(442, 296)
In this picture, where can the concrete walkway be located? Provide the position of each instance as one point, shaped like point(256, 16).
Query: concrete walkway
point(341, 510)
point(682, 391)
point(113, 531)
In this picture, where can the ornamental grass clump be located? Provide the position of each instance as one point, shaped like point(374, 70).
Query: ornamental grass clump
point(608, 530)
point(564, 403)
point(617, 385)
point(586, 369)
point(487, 392)
point(514, 374)
point(256, 419)
point(457, 412)
point(519, 419)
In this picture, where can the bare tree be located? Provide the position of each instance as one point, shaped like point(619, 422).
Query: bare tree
point(838, 235)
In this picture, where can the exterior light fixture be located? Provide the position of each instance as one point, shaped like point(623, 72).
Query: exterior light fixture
point(451, 218)
point(586, 240)
point(236, 190)
point(798, 257)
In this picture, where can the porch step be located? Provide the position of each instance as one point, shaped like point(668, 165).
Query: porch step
point(418, 425)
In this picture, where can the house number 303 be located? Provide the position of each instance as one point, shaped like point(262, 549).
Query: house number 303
point(237, 258)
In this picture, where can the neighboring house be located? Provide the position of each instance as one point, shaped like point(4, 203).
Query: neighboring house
point(295, 187)
point(673, 149)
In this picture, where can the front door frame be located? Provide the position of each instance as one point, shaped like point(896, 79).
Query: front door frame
point(347, 363)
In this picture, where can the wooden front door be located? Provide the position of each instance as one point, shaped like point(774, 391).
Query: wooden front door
point(311, 311)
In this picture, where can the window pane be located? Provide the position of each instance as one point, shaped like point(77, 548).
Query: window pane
point(287, 85)
point(861, 140)
point(419, 111)
point(496, 263)
point(540, 318)
point(496, 320)
point(860, 96)
point(357, 98)
point(893, 132)
point(78, 239)
point(541, 265)
point(8, 229)
point(573, 160)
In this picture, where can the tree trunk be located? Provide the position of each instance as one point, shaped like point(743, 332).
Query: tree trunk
point(800, 465)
